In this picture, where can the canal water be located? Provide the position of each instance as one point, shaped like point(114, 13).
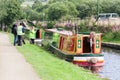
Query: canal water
point(111, 68)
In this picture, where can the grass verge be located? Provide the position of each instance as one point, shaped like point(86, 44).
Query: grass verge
point(49, 67)
point(113, 37)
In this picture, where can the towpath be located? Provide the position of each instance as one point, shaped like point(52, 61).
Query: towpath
point(13, 66)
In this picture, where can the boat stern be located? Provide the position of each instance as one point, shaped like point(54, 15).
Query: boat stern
point(94, 63)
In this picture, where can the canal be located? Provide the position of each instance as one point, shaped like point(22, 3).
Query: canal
point(111, 69)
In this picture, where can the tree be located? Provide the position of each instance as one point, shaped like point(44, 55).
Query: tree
point(3, 13)
point(83, 10)
point(71, 8)
point(10, 11)
point(33, 15)
point(42, 8)
point(36, 4)
point(57, 10)
point(117, 7)
point(2, 9)
point(21, 1)
point(107, 7)
point(13, 11)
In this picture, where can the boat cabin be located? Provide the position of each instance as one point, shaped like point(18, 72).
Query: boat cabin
point(75, 44)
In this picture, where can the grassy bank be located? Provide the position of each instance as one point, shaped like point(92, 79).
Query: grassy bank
point(50, 67)
point(111, 37)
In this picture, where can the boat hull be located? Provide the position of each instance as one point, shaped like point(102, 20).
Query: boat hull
point(94, 63)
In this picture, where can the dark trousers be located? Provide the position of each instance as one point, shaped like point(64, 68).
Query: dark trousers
point(23, 40)
point(19, 40)
point(15, 39)
point(32, 41)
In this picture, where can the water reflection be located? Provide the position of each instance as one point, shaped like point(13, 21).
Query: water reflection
point(111, 67)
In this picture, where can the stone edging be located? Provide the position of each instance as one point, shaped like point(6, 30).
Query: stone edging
point(111, 45)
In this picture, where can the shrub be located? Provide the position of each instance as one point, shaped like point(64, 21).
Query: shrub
point(50, 24)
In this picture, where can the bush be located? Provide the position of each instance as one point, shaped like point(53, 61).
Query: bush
point(50, 24)
point(111, 37)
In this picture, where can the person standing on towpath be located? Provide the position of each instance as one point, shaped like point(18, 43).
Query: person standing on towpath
point(14, 32)
point(20, 34)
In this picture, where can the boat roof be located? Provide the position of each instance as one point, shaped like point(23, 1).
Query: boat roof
point(63, 32)
point(86, 33)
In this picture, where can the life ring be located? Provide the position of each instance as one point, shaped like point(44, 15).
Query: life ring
point(93, 60)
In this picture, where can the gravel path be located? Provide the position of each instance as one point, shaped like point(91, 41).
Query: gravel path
point(13, 66)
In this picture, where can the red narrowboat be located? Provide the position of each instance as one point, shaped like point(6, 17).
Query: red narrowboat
point(83, 49)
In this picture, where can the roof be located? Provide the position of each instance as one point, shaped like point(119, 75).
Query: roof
point(63, 32)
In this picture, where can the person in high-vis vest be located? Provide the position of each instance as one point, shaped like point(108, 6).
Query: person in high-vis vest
point(55, 39)
point(32, 35)
point(20, 33)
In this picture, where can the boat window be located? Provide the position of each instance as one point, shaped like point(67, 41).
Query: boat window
point(108, 16)
point(114, 16)
point(102, 16)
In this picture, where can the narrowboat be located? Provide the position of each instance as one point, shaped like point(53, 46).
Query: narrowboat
point(82, 49)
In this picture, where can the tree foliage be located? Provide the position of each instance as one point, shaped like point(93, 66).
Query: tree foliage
point(57, 10)
point(36, 4)
point(13, 11)
point(33, 15)
point(71, 8)
point(2, 10)
point(10, 11)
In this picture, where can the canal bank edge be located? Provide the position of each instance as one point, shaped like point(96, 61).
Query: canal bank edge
point(111, 45)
